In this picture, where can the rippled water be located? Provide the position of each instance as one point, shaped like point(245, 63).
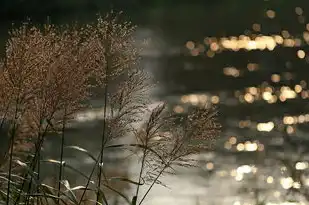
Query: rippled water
point(261, 96)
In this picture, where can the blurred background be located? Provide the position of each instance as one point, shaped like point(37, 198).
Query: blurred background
point(248, 58)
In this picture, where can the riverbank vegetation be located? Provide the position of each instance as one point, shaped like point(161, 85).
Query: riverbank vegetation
point(48, 74)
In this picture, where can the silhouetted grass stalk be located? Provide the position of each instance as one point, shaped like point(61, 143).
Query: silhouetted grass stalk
point(107, 53)
point(103, 141)
point(61, 155)
point(12, 140)
point(33, 163)
point(152, 184)
point(134, 200)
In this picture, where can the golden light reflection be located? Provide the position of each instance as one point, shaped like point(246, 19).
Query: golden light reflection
point(275, 78)
point(249, 98)
point(252, 66)
point(240, 147)
point(286, 183)
point(266, 127)
point(239, 177)
point(210, 166)
point(190, 45)
point(270, 14)
point(267, 95)
point(291, 120)
point(278, 39)
point(251, 147)
point(231, 71)
point(301, 165)
point(301, 54)
point(244, 169)
point(214, 46)
point(296, 185)
point(290, 130)
point(233, 173)
point(178, 109)
point(233, 140)
point(287, 92)
point(227, 145)
point(253, 90)
point(185, 99)
point(245, 42)
point(298, 11)
point(215, 99)
point(198, 99)
point(270, 180)
point(256, 27)
point(260, 147)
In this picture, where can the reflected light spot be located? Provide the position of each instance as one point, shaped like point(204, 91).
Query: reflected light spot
point(290, 130)
point(252, 66)
point(215, 99)
point(233, 140)
point(301, 54)
point(266, 127)
point(210, 53)
point(288, 120)
point(244, 169)
point(260, 147)
point(185, 99)
point(193, 99)
point(250, 147)
point(275, 78)
point(190, 45)
point(267, 96)
point(240, 147)
point(214, 46)
point(249, 98)
point(298, 11)
point(296, 185)
point(286, 183)
point(239, 177)
point(298, 88)
point(270, 14)
point(270, 180)
point(227, 145)
point(256, 27)
point(301, 165)
point(210, 166)
point(195, 52)
point(178, 109)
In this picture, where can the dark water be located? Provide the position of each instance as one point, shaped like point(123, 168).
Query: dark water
point(261, 96)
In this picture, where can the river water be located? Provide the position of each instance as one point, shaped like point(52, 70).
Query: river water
point(255, 111)
point(259, 87)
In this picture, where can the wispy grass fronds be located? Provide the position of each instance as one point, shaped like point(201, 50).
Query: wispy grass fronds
point(48, 74)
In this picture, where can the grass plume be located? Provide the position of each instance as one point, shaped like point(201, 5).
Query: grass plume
point(49, 74)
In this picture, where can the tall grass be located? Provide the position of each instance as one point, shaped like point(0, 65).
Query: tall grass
point(49, 74)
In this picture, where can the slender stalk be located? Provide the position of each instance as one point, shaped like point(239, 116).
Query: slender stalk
point(61, 156)
point(12, 139)
point(103, 141)
point(10, 168)
point(142, 169)
point(140, 175)
point(152, 184)
point(106, 54)
point(89, 178)
point(38, 146)
point(38, 171)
